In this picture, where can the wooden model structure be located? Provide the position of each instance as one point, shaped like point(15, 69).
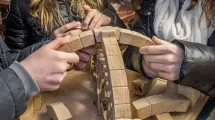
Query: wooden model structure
point(112, 90)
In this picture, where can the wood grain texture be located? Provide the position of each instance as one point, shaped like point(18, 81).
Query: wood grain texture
point(87, 38)
point(64, 48)
point(121, 95)
point(142, 108)
point(110, 41)
point(112, 50)
point(115, 63)
point(183, 103)
point(58, 111)
point(37, 102)
point(163, 116)
point(157, 104)
point(126, 36)
point(75, 43)
point(118, 78)
point(140, 40)
point(122, 111)
point(170, 102)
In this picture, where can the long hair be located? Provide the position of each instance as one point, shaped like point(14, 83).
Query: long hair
point(208, 8)
point(48, 11)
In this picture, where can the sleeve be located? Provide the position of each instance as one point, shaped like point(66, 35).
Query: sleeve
point(111, 12)
point(198, 67)
point(12, 95)
point(16, 29)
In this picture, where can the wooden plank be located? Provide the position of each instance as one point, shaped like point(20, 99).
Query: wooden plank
point(142, 108)
point(126, 36)
point(118, 78)
point(121, 95)
point(109, 33)
point(183, 103)
point(164, 116)
point(170, 102)
point(157, 104)
point(37, 102)
point(75, 43)
point(122, 111)
point(110, 41)
point(64, 48)
point(140, 40)
point(87, 38)
point(58, 111)
point(115, 63)
point(112, 50)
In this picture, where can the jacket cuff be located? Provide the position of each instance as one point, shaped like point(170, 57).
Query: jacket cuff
point(31, 87)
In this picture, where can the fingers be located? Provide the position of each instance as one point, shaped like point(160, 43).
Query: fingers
point(89, 50)
point(58, 42)
point(95, 20)
point(80, 65)
point(83, 56)
point(158, 41)
point(149, 72)
point(87, 8)
point(89, 18)
point(168, 76)
point(154, 50)
point(68, 57)
point(165, 59)
point(67, 27)
point(100, 23)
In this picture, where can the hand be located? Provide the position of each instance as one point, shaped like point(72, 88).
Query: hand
point(164, 59)
point(94, 18)
point(84, 55)
point(67, 29)
point(47, 66)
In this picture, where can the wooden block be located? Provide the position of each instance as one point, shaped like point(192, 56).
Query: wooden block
point(64, 48)
point(87, 38)
point(118, 78)
point(157, 104)
point(112, 50)
point(170, 102)
point(109, 33)
point(121, 95)
point(58, 111)
point(98, 35)
point(29, 111)
point(75, 43)
point(140, 40)
point(122, 111)
point(171, 87)
point(37, 102)
point(142, 86)
point(163, 116)
point(110, 41)
point(115, 63)
point(183, 103)
point(142, 108)
point(126, 36)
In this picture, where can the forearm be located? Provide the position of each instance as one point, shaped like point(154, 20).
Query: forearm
point(198, 67)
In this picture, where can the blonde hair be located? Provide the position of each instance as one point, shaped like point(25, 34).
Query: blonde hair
point(48, 11)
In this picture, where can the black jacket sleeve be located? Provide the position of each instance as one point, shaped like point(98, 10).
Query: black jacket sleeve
point(16, 29)
point(12, 95)
point(198, 67)
point(111, 12)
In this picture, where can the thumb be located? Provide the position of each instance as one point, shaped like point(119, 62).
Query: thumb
point(57, 43)
point(158, 41)
point(87, 9)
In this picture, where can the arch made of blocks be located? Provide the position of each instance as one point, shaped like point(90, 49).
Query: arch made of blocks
point(113, 99)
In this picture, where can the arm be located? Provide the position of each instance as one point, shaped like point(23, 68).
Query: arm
point(111, 12)
point(16, 30)
point(198, 66)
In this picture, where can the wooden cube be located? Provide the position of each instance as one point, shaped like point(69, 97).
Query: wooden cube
point(126, 36)
point(112, 50)
point(142, 108)
point(58, 111)
point(64, 48)
point(140, 40)
point(171, 87)
point(98, 35)
point(122, 111)
point(121, 95)
point(157, 104)
point(163, 116)
point(115, 63)
point(87, 38)
point(75, 43)
point(183, 103)
point(118, 78)
point(109, 33)
point(170, 102)
point(110, 41)
point(37, 102)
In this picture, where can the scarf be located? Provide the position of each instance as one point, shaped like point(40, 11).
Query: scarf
point(172, 23)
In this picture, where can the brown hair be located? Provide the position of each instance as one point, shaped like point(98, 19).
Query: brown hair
point(48, 11)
